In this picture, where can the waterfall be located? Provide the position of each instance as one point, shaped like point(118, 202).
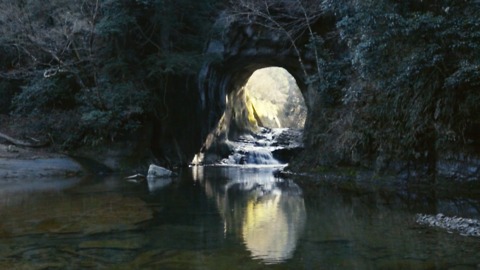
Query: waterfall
point(254, 149)
point(251, 155)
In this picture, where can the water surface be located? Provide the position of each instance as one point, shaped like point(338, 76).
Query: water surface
point(224, 218)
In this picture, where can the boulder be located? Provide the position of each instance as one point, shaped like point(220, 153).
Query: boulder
point(155, 171)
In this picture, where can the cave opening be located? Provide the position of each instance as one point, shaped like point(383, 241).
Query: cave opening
point(262, 123)
point(274, 99)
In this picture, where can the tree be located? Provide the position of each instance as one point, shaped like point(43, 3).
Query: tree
point(104, 65)
point(290, 18)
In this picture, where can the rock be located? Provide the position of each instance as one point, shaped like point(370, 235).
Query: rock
point(464, 226)
point(156, 183)
point(137, 176)
point(12, 149)
point(39, 167)
point(155, 171)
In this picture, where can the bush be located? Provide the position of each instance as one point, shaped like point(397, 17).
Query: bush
point(42, 95)
point(413, 87)
point(117, 109)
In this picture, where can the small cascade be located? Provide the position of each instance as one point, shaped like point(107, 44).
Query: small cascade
point(250, 155)
point(254, 149)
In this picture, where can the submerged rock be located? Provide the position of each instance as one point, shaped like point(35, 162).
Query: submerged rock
point(464, 226)
point(157, 183)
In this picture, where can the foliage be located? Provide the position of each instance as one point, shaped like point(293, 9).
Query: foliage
point(7, 91)
point(121, 110)
point(416, 76)
point(394, 78)
point(102, 62)
point(332, 72)
point(44, 94)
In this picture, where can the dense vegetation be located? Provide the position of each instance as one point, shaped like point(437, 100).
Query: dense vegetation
point(88, 71)
point(396, 80)
point(411, 79)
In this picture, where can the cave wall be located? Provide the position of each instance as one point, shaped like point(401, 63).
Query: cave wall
point(242, 51)
point(197, 104)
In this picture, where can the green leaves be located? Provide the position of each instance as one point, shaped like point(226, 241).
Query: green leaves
point(416, 72)
point(114, 23)
point(465, 77)
point(104, 63)
point(42, 95)
point(111, 110)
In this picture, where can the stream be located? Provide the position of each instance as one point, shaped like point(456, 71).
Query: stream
point(268, 146)
point(224, 217)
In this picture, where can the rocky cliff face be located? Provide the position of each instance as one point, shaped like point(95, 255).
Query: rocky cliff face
point(204, 117)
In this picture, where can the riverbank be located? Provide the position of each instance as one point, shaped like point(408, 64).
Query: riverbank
point(18, 162)
point(24, 162)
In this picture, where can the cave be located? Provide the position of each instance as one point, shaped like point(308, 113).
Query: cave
point(274, 100)
point(201, 121)
point(262, 122)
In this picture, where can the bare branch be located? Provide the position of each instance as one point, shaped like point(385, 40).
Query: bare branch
point(21, 142)
point(289, 17)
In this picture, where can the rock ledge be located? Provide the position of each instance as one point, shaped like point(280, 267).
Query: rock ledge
point(464, 226)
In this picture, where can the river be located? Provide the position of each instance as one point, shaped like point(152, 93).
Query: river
point(223, 217)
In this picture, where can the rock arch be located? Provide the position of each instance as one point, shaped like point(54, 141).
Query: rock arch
point(237, 52)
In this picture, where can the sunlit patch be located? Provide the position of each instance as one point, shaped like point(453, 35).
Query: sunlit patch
point(268, 213)
point(259, 108)
point(274, 99)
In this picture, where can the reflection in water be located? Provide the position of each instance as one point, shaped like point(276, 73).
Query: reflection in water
point(270, 212)
point(155, 184)
point(228, 218)
point(56, 207)
point(14, 191)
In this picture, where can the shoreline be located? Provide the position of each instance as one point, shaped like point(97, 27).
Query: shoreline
point(17, 162)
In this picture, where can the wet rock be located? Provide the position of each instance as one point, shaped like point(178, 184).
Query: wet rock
point(290, 138)
point(289, 144)
point(284, 155)
point(267, 146)
point(157, 183)
point(464, 226)
point(155, 171)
